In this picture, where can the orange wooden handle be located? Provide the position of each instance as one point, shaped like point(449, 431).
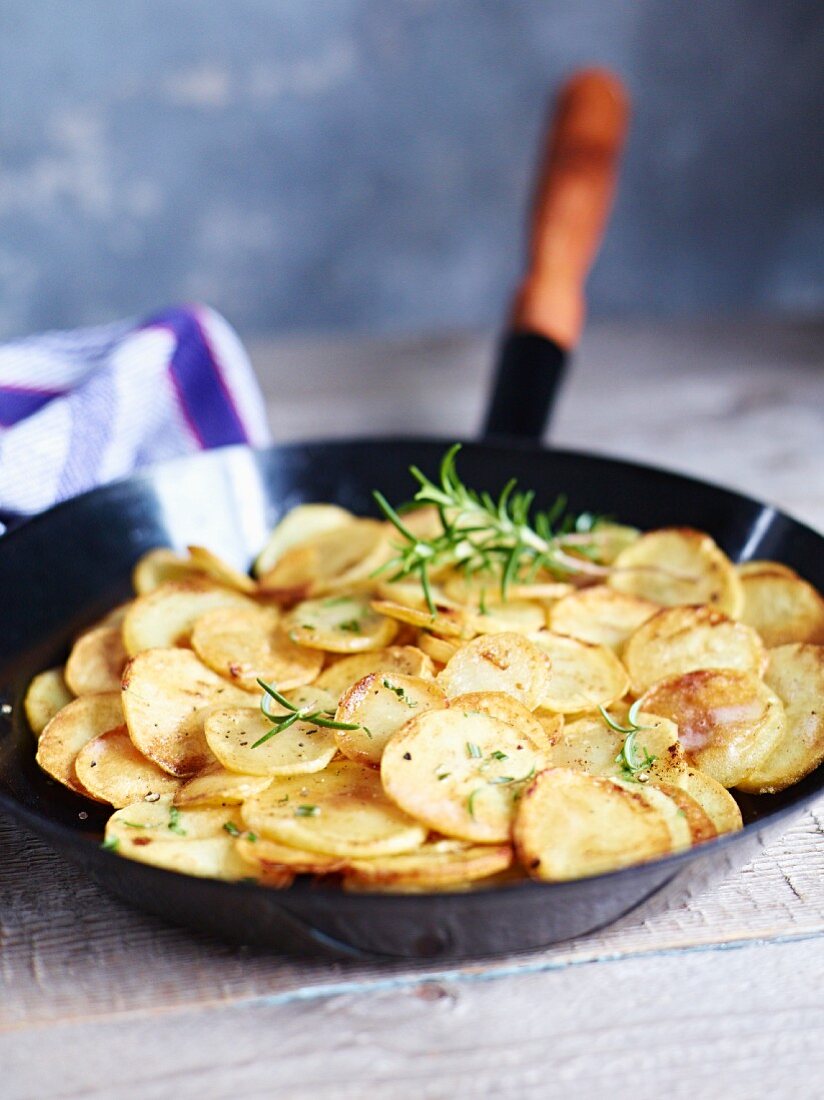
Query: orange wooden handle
point(573, 197)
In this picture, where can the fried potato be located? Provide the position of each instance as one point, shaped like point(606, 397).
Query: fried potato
point(498, 662)
point(506, 708)
point(583, 676)
point(79, 722)
point(783, 609)
point(341, 811)
point(378, 705)
point(408, 659)
point(167, 694)
point(518, 616)
point(268, 857)
point(677, 565)
point(588, 744)
point(246, 643)
point(217, 786)
point(161, 566)
point(449, 620)
point(571, 825)
point(337, 559)
point(340, 624)
point(460, 772)
point(728, 721)
point(657, 799)
point(435, 865)
point(45, 696)
point(112, 770)
point(300, 525)
point(165, 616)
point(716, 801)
point(191, 842)
point(219, 570)
point(600, 615)
point(478, 590)
point(682, 639)
point(748, 568)
point(96, 661)
point(437, 649)
point(796, 675)
point(611, 539)
point(233, 733)
point(698, 821)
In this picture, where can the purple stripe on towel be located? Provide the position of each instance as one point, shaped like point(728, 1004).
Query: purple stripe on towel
point(18, 402)
point(201, 391)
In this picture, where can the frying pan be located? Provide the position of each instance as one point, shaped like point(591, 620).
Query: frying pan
point(65, 568)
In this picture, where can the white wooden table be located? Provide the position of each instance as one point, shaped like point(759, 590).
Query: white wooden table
point(718, 995)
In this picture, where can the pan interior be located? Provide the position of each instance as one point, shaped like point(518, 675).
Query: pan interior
point(64, 569)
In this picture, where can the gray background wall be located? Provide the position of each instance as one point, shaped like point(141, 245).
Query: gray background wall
point(364, 164)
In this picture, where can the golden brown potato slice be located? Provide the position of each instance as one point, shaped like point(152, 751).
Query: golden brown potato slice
point(245, 644)
point(341, 558)
point(217, 786)
point(165, 616)
point(698, 820)
point(506, 708)
point(783, 608)
point(681, 639)
point(167, 694)
point(341, 811)
point(715, 800)
point(676, 819)
point(378, 705)
point(438, 649)
point(748, 568)
point(478, 590)
point(499, 662)
point(96, 661)
point(796, 675)
point(299, 526)
point(111, 769)
point(460, 772)
point(339, 624)
point(589, 744)
point(449, 620)
point(45, 696)
point(161, 566)
point(677, 565)
point(728, 721)
point(71, 728)
point(235, 734)
point(583, 676)
point(268, 857)
point(338, 677)
point(191, 842)
point(600, 615)
point(219, 570)
point(571, 825)
point(435, 865)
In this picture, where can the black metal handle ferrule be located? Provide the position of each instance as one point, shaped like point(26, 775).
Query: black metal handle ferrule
point(529, 374)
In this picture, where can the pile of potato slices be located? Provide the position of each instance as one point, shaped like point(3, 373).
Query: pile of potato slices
point(573, 728)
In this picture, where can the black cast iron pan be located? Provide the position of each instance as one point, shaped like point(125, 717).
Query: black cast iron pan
point(64, 569)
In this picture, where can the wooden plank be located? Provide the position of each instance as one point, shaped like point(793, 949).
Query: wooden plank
point(70, 952)
point(710, 1023)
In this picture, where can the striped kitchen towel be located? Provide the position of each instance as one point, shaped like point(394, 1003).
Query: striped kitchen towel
point(83, 407)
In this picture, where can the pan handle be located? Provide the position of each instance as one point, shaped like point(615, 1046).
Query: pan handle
point(573, 196)
point(9, 520)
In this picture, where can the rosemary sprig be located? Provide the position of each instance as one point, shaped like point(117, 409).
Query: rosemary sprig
point(632, 765)
point(480, 534)
point(281, 722)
